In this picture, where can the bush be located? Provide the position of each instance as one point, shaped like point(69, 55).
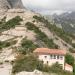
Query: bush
point(72, 50)
point(56, 68)
point(10, 24)
point(73, 45)
point(7, 43)
point(27, 46)
point(27, 63)
point(74, 69)
point(69, 59)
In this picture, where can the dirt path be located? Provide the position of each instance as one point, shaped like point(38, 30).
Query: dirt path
point(5, 69)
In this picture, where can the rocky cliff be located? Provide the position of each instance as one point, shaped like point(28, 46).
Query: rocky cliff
point(15, 3)
point(4, 4)
point(7, 4)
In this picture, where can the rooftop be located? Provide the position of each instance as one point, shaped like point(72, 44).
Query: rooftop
point(49, 51)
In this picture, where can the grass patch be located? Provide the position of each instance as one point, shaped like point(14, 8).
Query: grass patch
point(9, 24)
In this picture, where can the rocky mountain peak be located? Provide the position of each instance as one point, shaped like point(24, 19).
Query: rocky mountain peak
point(16, 3)
point(4, 4)
point(7, 4)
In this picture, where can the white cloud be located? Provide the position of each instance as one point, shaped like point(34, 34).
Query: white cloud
point(50, 4)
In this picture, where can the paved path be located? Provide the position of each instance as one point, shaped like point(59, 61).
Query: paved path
point(5, 69)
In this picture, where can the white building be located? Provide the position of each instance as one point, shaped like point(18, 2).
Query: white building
point(51, 56)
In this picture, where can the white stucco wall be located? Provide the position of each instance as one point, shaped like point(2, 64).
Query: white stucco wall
point(47, 58)
point(67, 68)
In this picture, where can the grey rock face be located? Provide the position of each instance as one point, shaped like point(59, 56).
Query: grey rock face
point(7, 4)
point(4, 4)
point(16, 3)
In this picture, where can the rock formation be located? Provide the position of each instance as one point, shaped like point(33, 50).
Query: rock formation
point(15, 3)
point(4, 4)
point(7, 4)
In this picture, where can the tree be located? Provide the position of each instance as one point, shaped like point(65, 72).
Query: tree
point(69, 59)
point(26, 63)
point(74, 69)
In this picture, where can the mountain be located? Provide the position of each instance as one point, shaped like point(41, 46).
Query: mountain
point(66, 20)
point(7, 4)
point(16, 3)
point(4, 4)
point(22, 31)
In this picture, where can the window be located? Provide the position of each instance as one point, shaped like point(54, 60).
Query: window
point(47, 62)
point(57, 56)
point(51, 56)
point(61, 57)
point(54, 56)
point(45, 56)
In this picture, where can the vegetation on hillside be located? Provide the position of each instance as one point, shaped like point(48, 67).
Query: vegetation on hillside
point(69, 59)
point(7, 43)
point(27, 46)
point(10, 23)
point(74, 69)
point(41, 36)
point(30, 63)
point(58, 31)
point(26, 63)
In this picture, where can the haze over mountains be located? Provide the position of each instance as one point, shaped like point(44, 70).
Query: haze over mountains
point(65, 20)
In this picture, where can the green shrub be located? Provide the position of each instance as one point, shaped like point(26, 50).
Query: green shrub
point(27, 46)
point(56, 68)
point(69, 59)
point(72, 50)
point(27, 63)
point(7, 43)
point(1, 63)
point(41, 36)
point(74, 69)
point(73, 45)
point(10, 24)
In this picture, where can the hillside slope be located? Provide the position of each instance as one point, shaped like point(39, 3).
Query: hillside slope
point(9, 4)
point(22, 30)
point(63, 42)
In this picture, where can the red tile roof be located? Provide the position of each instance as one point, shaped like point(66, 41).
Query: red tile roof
point(49, 51)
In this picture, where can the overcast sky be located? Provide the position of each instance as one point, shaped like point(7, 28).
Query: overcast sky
point(46, 6)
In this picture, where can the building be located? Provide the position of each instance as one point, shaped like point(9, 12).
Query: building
point(68, 67)
point(51, 56)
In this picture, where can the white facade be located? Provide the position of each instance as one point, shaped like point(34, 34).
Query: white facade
point(51, 59)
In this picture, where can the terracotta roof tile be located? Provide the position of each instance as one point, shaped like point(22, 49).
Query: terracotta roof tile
point(49, 51)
